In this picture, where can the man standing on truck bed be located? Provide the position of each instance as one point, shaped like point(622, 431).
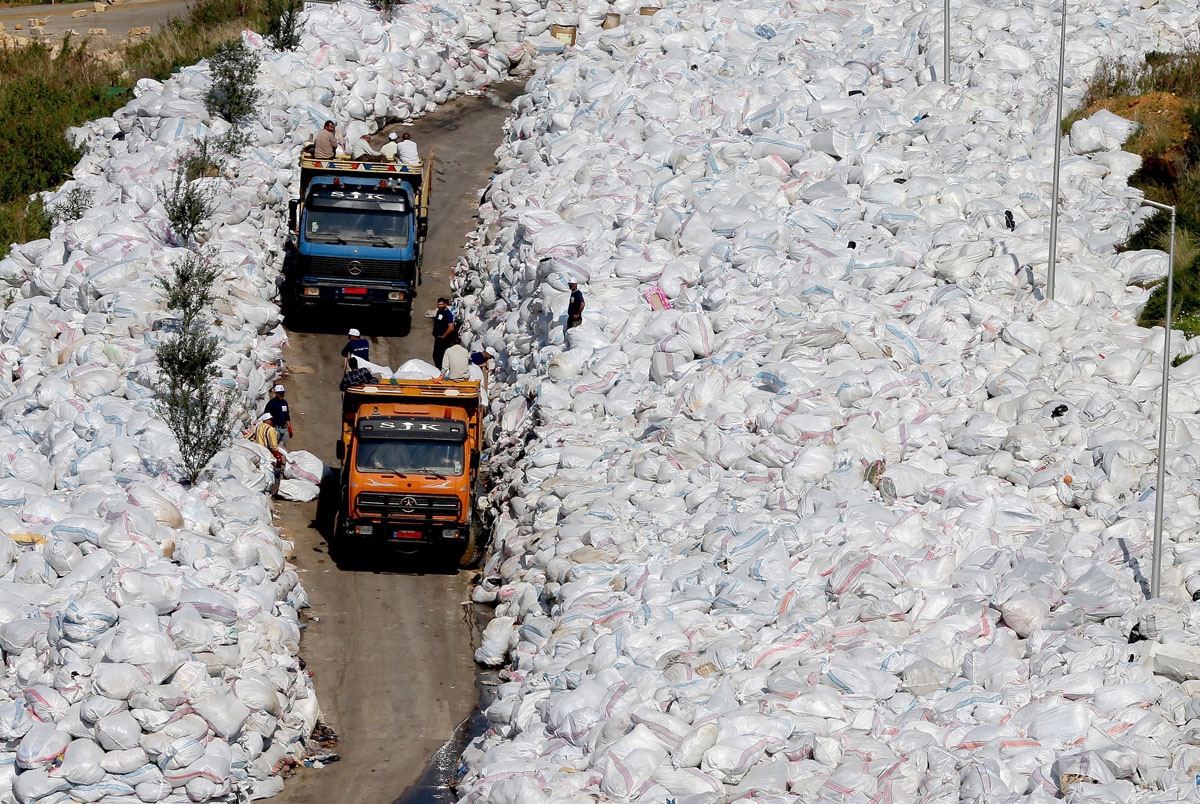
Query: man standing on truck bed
point(325, 143)
point(445, 331)
point(456, 363)
point(355, 375)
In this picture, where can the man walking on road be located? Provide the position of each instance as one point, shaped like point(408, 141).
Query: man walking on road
point(575, 308)
point(445, 330)
point(356, 346)
point(281, 417)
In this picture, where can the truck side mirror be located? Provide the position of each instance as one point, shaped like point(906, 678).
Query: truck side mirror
point(422, 227)
point(340, 450)
point(293, 206)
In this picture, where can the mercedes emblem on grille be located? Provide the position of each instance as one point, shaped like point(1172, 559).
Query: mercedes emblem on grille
point(408, 503)
point(355, 268)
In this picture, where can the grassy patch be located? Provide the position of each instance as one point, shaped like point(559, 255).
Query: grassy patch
point(46, 89)
point(21, 221)
point(19, 3)
point(1161, 95)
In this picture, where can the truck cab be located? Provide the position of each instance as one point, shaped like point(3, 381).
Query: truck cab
point(357, 233)
point(410, 453)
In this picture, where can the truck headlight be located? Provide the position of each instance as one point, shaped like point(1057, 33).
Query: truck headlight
point(365, 530)
point(450, 533)
point(396, 296)
point(312, 291)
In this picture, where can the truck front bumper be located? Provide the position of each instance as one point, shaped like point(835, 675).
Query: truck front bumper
point(402, 533)
point(349, 294)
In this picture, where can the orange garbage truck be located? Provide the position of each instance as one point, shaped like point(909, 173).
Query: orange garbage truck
point(410, 453)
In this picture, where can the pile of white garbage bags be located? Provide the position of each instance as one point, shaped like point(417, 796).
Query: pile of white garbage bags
point(149, 628)
point(824, 500)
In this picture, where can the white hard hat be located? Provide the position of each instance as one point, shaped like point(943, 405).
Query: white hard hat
point(279, 389)
point(491, 350)
point(266, 417)
point(392, 136)
point(353, 333)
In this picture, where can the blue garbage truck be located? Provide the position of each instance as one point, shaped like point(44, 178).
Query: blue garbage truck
point(357, 232)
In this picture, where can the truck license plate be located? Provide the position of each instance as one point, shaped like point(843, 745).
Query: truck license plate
point(408, 534)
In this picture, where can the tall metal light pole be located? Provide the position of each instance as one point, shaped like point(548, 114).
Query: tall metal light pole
point(1058, 116)
point(1159, 489)
point(946, 49)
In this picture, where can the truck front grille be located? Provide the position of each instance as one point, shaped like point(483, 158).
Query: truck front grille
point(339, 268)
point(403, 506)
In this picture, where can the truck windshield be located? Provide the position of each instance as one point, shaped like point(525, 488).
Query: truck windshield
point(358, 226)
point(396, 456)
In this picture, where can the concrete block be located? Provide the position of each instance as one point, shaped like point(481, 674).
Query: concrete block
point(1175, 661)
point(99, 8)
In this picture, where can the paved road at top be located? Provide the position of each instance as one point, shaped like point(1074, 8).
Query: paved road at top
point(116, 20)
point(392, 652)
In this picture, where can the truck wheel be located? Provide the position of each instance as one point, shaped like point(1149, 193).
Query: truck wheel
point(293, 311)
point(343, 550)
point(406, 324)
point(473, 550)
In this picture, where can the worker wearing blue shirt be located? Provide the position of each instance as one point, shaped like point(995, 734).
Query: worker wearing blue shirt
point(575, 308)
point(357, 345)
point(281, 417)
point(445, 330)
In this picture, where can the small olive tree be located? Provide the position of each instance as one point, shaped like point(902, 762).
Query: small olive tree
point(283, 23)
point(385, 7)
point(202, 414)
point(188, 203)
point(72, 205)
point(233, 94)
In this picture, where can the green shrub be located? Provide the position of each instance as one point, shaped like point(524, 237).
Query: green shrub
point(22, 221)
point(204, 160)
point(1191, 145)
point(385, 7)
point(42, 94)
point(201, 414)
point(233, 93)
point(190, 287)
point(188, 204)
point(283, 23)
point(73, 204)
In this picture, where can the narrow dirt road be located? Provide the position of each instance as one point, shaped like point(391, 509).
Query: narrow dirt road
point(390, 648)
point(116, 20)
